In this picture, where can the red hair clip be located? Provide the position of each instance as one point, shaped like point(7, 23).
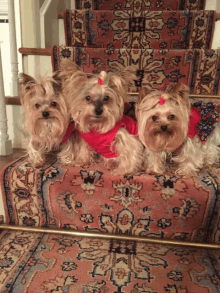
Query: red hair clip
point(161, 101)
point(42, 86)
point(100, 81)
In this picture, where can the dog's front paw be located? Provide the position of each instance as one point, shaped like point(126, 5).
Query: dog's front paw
point(151, 171)
point(186, 172)
point(111, 164)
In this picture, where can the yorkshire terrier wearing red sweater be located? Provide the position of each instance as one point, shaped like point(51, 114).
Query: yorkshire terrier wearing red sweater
point(96, 106)
point(170, 127)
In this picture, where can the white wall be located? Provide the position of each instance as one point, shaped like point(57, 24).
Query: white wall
point(13, 112)
point(212, 5)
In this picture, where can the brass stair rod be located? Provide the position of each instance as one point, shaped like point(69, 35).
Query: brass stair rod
point(108, 236)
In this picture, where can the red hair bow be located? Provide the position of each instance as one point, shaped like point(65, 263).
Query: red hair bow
point(161, 101)
point(100, 81)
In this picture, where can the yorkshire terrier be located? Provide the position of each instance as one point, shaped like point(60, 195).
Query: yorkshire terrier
point(96, 106)
point(46, 116)
point(171, 129)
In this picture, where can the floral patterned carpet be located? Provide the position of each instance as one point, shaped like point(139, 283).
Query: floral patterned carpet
point(90, 198)
point(199, 69)
point(139, 29)
point(141, 4)
point(42, 263)
point(166, 47)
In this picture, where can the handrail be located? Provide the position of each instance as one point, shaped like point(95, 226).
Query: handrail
point(60, 14)
point(40, 51)
point(12, 101)
point(36, 51)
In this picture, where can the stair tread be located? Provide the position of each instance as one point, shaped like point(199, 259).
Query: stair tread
point(68, 197)
point(156, 68)
point(146, 29)
point(140, 5)
point(32, 262)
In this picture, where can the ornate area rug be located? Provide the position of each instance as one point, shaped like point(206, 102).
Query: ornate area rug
point(139, 30)
point(199, 69)
point(141, 4)
point(43, 263)
point(90, 198)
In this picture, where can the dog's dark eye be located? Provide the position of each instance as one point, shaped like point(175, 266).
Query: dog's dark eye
point(106, 98)
point(53, 104)
point(88, 98)
point(154, 118)
point(171, 117)
point(37, 106)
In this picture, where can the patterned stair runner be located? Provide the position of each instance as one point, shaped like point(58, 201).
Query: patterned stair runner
point(90, 198)
point(139, 30)
point(43, 263)
point(166, 47)
point(141, 4)
point(199, 69)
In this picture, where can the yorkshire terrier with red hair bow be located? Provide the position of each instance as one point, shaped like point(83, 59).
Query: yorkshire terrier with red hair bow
point(170, 128)
point(96, 106)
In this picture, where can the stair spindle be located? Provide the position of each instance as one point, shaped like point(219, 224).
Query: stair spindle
point(13, 49)
point(5, 143)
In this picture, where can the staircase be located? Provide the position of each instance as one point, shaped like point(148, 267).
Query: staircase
point(174, 221)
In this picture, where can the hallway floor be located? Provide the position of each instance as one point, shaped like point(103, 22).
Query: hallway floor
point(4, 160)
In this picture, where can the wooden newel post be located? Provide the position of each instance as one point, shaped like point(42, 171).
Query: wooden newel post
point(5, 143)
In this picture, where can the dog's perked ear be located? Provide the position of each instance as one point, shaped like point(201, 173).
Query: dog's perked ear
point(67, 69)
point(25, 80)
point(181, 89)
point(68, 65)
point(71, 77)
point(129, 75)
point(26, 84)
point(180, 92)
point(121, 81)
point(57, 84)
point(144, 91)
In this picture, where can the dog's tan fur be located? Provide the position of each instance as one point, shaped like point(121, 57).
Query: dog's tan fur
point(77, 86)
point(46, 134)
point(190, 155)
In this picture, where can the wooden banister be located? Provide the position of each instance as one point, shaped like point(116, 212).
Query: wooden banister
point(12, 101)
point(60, 14)
point(217, 16)
point(36, 51)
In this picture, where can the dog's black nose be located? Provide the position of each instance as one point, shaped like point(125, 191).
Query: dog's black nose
point(163, 127)
point(98, 111)
point(45, 114)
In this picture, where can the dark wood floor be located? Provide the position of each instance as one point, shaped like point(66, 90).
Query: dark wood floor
point(4, 160)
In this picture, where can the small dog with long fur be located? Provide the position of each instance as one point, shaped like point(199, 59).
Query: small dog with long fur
point(46, 116)
point(96, 106)
point(171, 129)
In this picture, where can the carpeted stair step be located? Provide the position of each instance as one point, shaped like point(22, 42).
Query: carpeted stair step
point(90, 198)
point(141, 4)
point(43, 263)
point(199, 69)
point(139, 30)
